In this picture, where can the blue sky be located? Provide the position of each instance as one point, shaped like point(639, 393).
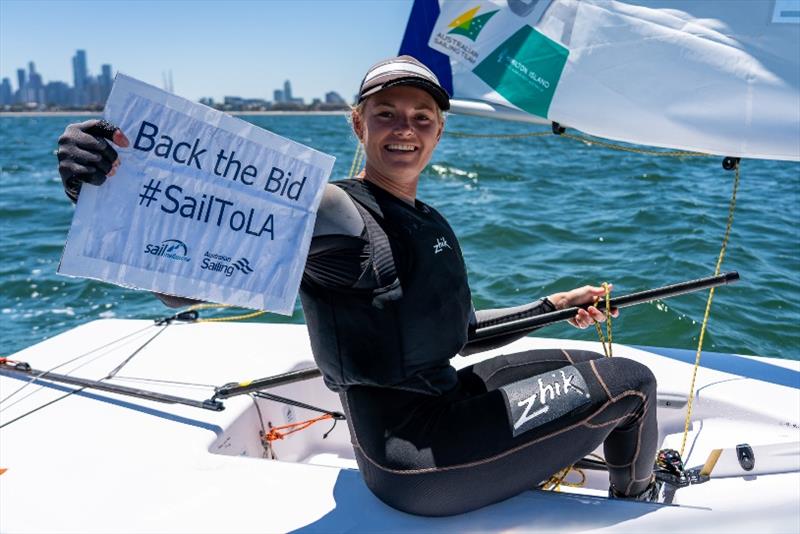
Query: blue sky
point(213, 48)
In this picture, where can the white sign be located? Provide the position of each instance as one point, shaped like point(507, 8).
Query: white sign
point(204, 205)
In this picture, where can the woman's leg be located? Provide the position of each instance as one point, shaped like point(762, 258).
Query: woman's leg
point(485, 443)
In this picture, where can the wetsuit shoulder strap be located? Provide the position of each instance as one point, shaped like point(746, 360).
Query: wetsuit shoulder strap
point(383, 263)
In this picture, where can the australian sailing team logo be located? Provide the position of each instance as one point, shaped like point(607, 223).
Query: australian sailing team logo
point(454, 38)
point(469, 25)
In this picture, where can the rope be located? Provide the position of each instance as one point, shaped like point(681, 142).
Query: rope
point(606, 349)
point(559, 479)
point(731, 208)
point(555, 482)
point(586, 139)
point(276, 434)
point(614, 146)
point(205, 306)
point(498, 136)
point(358, 156)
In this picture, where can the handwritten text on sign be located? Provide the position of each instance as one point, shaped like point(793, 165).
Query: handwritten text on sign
point(204, 205)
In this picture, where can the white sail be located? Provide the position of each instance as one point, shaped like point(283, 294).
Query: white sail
point(717, 76)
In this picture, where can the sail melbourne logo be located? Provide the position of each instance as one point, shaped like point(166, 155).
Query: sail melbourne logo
point(468, 25)
point(454, 38)
point(224, 265)
point(171, 249)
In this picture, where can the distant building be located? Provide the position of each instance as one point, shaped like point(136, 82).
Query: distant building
point(79, 75)
point(287, 91)
point(333, 97)
point(6, 98)
point(232, 102)
point(57, 94)
point(207, 101)
point(21, 84)
point(34, 92)
point(277, 96)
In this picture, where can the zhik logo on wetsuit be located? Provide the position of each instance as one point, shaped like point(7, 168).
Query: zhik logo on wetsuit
point(540, 399)
point(440, 245)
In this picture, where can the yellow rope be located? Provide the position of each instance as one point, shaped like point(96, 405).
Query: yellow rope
point(555, 482)
point(498, 136)
point(208, 306)
point(606, 350)
point(731, 208)
point(358, 156)
point(614, 146)
point(558, 479)
point(584, 139)
point(241, 317)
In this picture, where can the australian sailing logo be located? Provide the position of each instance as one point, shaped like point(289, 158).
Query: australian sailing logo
point(454, 39)
point(540, 399)
point(243, 265)
point(171, 249)
point(222, 264)
point(440, 245)
point(468, 25)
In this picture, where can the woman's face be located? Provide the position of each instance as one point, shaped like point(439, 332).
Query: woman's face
point(399, 128)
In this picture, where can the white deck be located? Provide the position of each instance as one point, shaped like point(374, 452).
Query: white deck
point(102, 462)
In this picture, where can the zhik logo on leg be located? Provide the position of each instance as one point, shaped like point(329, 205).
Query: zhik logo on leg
point(540, 399)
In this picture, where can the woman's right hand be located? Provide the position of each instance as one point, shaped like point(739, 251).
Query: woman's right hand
point(86, 156)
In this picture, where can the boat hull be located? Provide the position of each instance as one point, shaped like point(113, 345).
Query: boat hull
point(98, 461)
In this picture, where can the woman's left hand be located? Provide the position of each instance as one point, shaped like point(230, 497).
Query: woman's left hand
point(580, 296)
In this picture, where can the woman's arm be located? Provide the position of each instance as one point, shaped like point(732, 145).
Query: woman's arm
point(557, 301)
point(86, 156)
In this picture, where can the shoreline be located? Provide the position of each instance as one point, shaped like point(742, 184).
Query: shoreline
point(100, 113)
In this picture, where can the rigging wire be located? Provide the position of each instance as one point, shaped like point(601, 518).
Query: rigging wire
point(76, 358)
point(137, 351)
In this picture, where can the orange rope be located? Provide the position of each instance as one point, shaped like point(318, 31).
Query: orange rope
point(275, 431)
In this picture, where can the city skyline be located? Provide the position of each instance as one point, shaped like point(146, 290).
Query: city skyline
point(91, 92)
point(213, 48)
point(86, 91)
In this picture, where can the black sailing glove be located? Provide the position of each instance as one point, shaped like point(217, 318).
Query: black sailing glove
point(85, 155)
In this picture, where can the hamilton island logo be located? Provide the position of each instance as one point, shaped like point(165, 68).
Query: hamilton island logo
point(224, 265)
point(468, 25)
point(172, 249)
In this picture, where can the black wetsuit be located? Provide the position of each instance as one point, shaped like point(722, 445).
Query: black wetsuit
point(431, 441)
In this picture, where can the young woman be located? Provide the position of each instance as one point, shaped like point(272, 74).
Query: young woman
point(387, 303)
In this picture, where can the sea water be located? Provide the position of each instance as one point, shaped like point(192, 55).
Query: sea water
point(534, 215)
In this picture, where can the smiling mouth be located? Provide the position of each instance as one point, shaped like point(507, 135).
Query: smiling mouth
point(401, 148)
